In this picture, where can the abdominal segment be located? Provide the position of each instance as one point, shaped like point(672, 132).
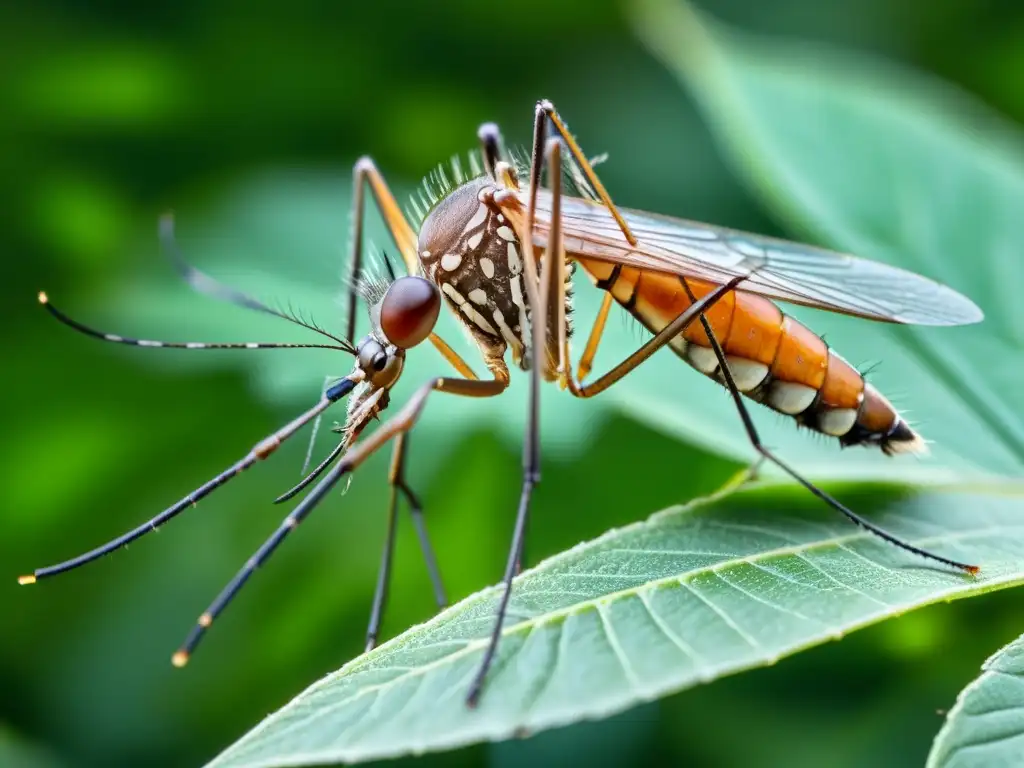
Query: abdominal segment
point(773, 358)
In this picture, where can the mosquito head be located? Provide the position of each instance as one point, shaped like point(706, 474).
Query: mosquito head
point(401, 318)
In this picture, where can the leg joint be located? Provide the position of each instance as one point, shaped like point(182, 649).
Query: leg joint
point(364, 165)
point(266, 447)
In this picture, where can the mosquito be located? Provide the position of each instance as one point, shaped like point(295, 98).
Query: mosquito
point(498, 246)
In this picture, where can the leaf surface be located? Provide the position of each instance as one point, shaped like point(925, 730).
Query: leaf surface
point(694, 593)
point(986, 725)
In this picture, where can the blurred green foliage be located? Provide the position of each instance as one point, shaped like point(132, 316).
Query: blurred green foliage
point(113, 112)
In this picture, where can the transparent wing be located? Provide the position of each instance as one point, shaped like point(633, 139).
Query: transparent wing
point(786, 271)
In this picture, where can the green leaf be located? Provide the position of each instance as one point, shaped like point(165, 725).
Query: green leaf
point(874, 159)
point(694, 593)
point(986, 725)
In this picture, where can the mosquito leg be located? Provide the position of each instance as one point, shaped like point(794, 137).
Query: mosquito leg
point(755, 440)
point(497, 168)
point(551, 283)
point(380, 593)
point(452, 357)
point(531, 476)
point(490, 146)
point(538, 296)
point(399, 486)
point(403, 421)
point(260, 451)
point(365, 172)
point(546, 111)
point(585, 365)
point(660, 339)
point(399, 482)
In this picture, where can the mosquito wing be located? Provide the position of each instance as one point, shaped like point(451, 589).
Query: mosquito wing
point(786, 271)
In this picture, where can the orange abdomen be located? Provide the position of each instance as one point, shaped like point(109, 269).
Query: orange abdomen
point(773, 358)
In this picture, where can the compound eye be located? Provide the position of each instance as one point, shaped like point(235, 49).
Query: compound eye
point(409, 311)
point(372, 355)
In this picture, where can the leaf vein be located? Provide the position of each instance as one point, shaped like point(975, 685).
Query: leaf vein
point(617, 649)
point(687, 649)
point(757, 598)
point(725, 617)
point(814, 566)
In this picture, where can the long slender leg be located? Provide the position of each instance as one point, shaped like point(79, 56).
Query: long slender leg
point(531, 476)
point(537, 294)
point(550, 282)
point(380, 594)
point(365, 171)
point(546, 111)
point(660, 339)
point(755, 441)
point(260, 451)
point(400, 486)
point(490, 146)
point(585, 365)
point(447, 352)
point(399, 482)
point(452, 357)
point(403, 421)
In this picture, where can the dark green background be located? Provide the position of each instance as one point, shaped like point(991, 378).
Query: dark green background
point(112, 112)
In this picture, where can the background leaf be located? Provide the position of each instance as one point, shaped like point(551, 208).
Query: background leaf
point(690, 595)
point(986, 726)
point(881, 161)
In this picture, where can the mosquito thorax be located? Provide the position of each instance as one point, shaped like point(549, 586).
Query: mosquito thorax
point(469, 250)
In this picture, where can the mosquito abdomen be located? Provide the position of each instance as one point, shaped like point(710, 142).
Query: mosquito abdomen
point(773, 358)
